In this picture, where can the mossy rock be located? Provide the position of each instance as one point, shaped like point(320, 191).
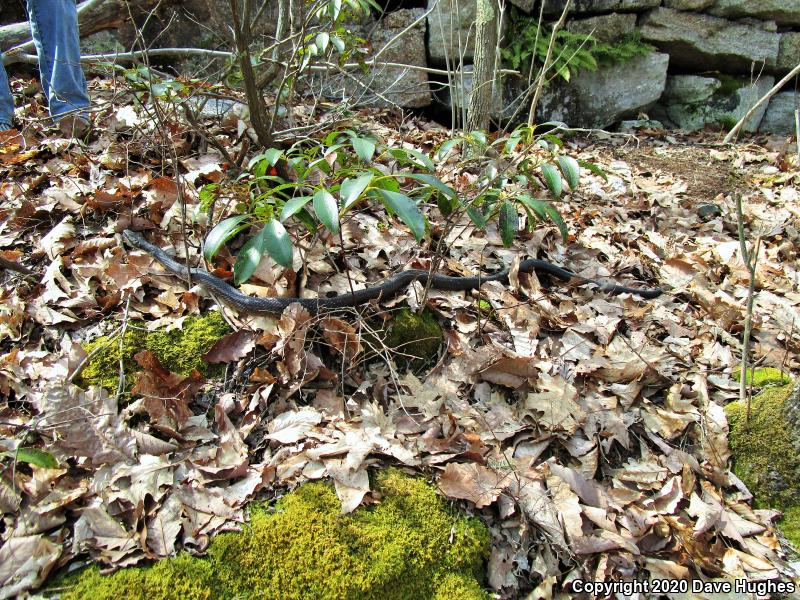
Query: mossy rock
point(416, 339)
point(179, 350)
point(762, 377)
point(766, 449)
point(408, 546)
point(763, 451)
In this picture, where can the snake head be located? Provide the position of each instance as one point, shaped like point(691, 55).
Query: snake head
point(134, 239)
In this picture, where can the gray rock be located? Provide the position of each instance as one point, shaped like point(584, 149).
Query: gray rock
point(606, 28)
point(553, 7)
point(526, 6)
point(217, 107)
point(789, 52)
point(102, 42)
point(635, 124)
point(688, 105)
point(462, 88)
point(385, 86)
point(700, 42)
point(784, 12)
point(759, 24)
point(688, 4)
point(779, 118)
point(690, 89)
point(597, 99)
point(404, 87)
point(451, 31)
point(709, 211)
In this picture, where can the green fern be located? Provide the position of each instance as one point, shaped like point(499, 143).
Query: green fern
point(572, 52)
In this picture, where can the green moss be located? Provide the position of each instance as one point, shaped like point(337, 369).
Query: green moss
point(727, 121)
point(762, 448)
point(762, 377)
point(179, 350)
point(730, 84)
point(790, 525)
point(456, 585)
point(409, 546)
point(765, 455)
point(184, 577)
point(415, 338)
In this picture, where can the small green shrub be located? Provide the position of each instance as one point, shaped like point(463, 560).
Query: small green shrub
point(343, 171)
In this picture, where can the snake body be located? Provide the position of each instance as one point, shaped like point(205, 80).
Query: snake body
point(381, 291)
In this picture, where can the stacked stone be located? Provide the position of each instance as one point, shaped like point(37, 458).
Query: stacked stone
point(714, 60)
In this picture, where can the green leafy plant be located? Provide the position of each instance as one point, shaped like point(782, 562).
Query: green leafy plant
point(572, 52)
point(337, 174)
point(330, 37)
point(33, 456)
point(332, 177)
point(518, 186)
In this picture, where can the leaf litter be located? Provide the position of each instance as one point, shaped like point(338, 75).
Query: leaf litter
point(586, 430)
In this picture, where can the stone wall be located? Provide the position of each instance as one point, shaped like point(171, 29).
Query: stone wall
point(712, 59)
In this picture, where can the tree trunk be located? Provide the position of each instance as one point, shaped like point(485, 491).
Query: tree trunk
point(483, 78)
point(93, 16)
point(255, 101)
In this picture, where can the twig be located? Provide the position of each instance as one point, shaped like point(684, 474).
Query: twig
point(14, 266)
point(540, 84)
point(123, 331)
point(750, 260)
point(763, 100)
point(10, 58)
point(797, 133)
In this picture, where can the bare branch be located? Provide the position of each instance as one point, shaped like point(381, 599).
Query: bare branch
point(765, 98)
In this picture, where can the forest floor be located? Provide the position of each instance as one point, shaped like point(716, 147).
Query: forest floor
point(587, 430)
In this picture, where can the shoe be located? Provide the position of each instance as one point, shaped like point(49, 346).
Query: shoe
point(74, 126)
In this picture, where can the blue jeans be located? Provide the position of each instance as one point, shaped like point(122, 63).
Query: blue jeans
point(54, 25)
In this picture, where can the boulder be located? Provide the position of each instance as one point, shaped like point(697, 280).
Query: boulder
point(404, 87)
point(451, 31)
point(765, 446)
point(688, 4)
point(597, 99)
point(554, 7)
point(783, 12)
point(779, 118)
point(691, 102)
point(503, 106)
point(690, 89)
point(699, 42)
point(102, 42)
point(387, 86)
point(591, 99)
point(788, 52)
point(606, 28)
point(525, 6)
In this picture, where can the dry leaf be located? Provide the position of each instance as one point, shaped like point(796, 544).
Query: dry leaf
point(292, 426)
point(476, 483)
point(342, 336)
point(231, 347)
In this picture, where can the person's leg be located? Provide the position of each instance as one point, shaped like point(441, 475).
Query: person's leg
point(6, 100)
point(54, 24)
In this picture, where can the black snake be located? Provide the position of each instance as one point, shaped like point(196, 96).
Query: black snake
point(381, 291)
